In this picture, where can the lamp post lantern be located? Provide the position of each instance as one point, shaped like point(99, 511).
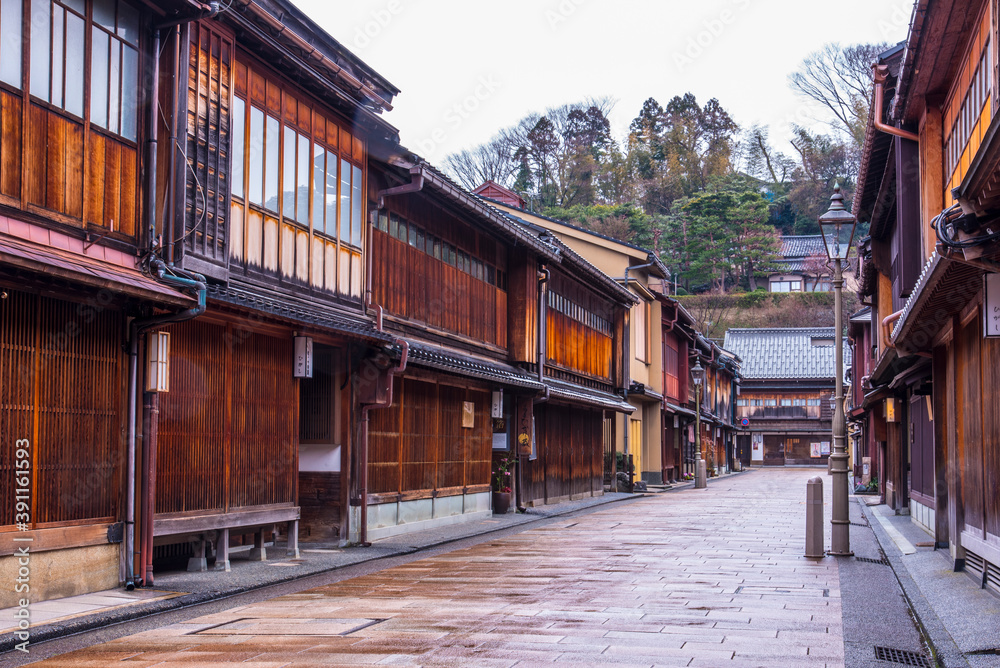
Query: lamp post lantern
point(837, 225)
point(700, 471)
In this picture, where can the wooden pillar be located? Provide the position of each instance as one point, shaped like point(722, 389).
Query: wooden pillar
point(941, 427)
point(293, 539)
point(258, 552)
point(222, 551)
point(198, 562)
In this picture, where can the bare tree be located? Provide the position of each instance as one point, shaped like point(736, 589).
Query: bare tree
point(492, 161)
point(840, 79)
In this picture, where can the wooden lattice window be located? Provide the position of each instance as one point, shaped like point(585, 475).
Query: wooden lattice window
point(208, 140)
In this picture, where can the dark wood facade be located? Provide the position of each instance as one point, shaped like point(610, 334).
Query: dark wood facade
point(930, 391)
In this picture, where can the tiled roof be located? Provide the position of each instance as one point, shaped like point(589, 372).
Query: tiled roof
point(473, 367)
point(802, 246)
point(778, 353)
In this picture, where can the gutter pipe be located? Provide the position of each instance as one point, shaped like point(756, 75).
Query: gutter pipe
point(186, 281)
point(879, 74)
point(886, 321)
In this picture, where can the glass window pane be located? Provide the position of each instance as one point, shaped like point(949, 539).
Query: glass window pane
point(383, 221)
point(272, 162)
point(358, 208)
point(41, 34)
point(58, 24)
point(115, 89)
point(237, 142)
point(76, 57)
point(104, 14)
point(10, 42)
point(256, 188)
point(331, 194)
point(77, 5)
point(403, 234)
point(302, 184)
point(128, 23)
point(345, 201)
point(130, 92)
point(412, 236)
point(288, 181)
point(319, 188)
point(393, 225)
point(99, 78)
point(420, 240)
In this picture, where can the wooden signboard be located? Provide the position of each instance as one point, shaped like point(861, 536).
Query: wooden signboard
point(991, 306)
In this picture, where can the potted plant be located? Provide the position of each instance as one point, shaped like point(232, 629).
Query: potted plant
point(502, 466)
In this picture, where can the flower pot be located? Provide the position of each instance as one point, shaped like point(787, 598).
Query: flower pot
point(501, 502)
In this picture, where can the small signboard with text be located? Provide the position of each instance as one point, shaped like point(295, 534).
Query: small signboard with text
point(991, 306)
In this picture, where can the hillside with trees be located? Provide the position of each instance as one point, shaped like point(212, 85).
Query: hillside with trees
point(709, 197)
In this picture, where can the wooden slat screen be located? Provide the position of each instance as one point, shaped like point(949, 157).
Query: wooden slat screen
point(190, 457)
point(264, 464)
point(228, 433)
point(971, 437)
point(991, 434)
point(418, 445)
point(61, 387)
point(410, 283)
point(208, 143)
point(570, 454)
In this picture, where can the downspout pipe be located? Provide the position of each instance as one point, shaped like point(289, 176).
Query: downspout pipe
point(879, 74)
point(187, 281)
point(151, 152)
point(886, 321)
point(544, 275)
point(363, 441)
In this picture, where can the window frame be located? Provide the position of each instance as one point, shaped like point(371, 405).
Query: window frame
point(247, 191)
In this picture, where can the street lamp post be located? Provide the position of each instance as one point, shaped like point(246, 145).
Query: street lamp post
point(700, 472)
point(837, 225)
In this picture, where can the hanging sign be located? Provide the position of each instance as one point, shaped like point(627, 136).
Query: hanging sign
point(303, 357)
point(496, 406)
point(991, 306)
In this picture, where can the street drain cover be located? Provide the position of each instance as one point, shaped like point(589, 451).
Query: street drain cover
point(254, 626)
point(901, 656)
point(803, 591)
point(872, 561)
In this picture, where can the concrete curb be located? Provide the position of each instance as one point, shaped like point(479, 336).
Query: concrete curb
point(944, 651)
point(129, 613)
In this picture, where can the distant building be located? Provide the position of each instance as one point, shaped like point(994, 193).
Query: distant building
point(785, 406)
point(802, 267)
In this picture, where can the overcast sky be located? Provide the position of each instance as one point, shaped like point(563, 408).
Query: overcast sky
point(468, 68)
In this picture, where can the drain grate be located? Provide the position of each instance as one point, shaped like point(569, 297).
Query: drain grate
point(872, 561)
point(860, 524)
point(902, 657)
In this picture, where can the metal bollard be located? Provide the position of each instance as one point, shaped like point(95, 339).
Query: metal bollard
point(814, 519)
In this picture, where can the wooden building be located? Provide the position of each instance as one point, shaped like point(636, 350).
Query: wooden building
point(927, 185)
point(787, 393)
point(159, 162)
point(678, 336)
point(801, 266)
point(639, 435)
point(866, 428)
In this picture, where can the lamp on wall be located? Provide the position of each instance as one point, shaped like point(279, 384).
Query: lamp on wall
point(158, 362)
point(837, 225)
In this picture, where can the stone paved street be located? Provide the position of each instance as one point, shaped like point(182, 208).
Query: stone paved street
point(689, 578)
